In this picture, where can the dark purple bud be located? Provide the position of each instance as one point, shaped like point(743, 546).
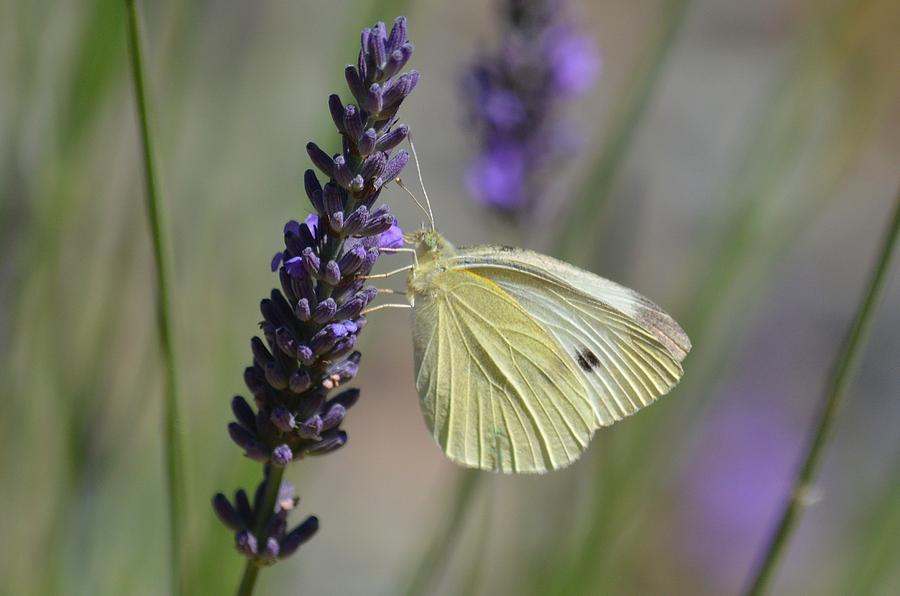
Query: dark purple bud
point(395, 165)
point(336, 221)
point(226, 513)
point(346, 398)
point(243, 412)
point(282, 419)
point(311, 262)
point(242, 504)
point(305, 355)
point(285, 341)
point(334, 200)
point(311, 429)
point(287, 285)
point(345, 371)
point(294, 267)
point(337, 111)
point(324, 311)
point(325, 339)
point(353, 258)
point(374, 166)
point(398, 60)
point(282, 455)
point(313, 190)
point(367, 142)
point(355, 83)
point(360, 323)
point(399, 88)
point(302, 311)
point(342, 172)
point(399, 34)
point(350, 325)
point(298, 536)
point(332, 274)
point(342, 347)
point(327, 445)
point(353, 124)
point(246, 543)
point(261, 354)
point(276, 261)
point(361, 63)
point(377, 43)
point(292, 228)
point(379, 224)
point(334, 417)
point(368, 263)
point(351, 308)
point(255, 382)
point(300, 381)
point(393, 138)
point(275, 376)
point(356, 221)
point(374, 100)
point(320, 159)
point(248, 442)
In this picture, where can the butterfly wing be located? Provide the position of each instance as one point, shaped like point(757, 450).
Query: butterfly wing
point(628, 350)
point(497, 390)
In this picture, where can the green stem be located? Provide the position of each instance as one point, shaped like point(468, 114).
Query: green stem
point(267, 509)
point(173, 452)
point(845, 365)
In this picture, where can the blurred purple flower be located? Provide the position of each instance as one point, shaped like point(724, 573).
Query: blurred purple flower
point(496, 178)
point(734, 487)
point(515, 95)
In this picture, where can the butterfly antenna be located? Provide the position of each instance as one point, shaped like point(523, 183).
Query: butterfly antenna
point(421, 182)
point(412, 196)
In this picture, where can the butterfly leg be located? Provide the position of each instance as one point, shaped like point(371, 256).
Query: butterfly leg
point(381, 306)
point(388, 274)
point(412, 251)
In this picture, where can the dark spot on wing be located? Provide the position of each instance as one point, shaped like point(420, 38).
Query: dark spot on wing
point(587, 360)
point(506, 248)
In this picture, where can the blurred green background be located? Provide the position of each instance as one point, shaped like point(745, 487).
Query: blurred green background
point(748, 202)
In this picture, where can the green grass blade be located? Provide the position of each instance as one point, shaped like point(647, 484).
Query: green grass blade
point(837, 389)
point(172, 444)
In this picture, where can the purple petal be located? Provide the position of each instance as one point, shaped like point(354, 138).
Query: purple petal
point(276, 261)
point(393, 238)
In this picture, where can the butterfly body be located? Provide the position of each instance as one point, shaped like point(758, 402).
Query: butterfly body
point(520, 357)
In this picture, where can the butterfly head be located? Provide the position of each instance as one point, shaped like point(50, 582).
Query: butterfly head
point(429, 244)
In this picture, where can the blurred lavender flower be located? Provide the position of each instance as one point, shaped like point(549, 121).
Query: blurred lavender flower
point(515, 95)
point(734, 486)
point(310, 326)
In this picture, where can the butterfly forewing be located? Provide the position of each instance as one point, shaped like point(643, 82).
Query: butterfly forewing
point(628, 350)
point(498, 390)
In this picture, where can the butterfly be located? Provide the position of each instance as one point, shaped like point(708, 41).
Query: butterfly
point(520, 357)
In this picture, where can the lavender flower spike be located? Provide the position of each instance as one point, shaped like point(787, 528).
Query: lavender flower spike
point(515, 95)
point(311, 324)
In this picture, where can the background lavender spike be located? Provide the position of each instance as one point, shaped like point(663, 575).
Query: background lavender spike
point(515, 95)
point(311, 328)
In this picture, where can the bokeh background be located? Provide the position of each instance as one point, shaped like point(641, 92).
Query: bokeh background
point(748, 201)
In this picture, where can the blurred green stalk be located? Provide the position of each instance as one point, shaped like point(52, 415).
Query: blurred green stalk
point(594, 195)
point(445, 537)
point(844, 367)
point(172, 444)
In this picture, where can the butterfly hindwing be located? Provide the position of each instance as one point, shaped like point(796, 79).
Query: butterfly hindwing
point(498, 390)
point(628, 350)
